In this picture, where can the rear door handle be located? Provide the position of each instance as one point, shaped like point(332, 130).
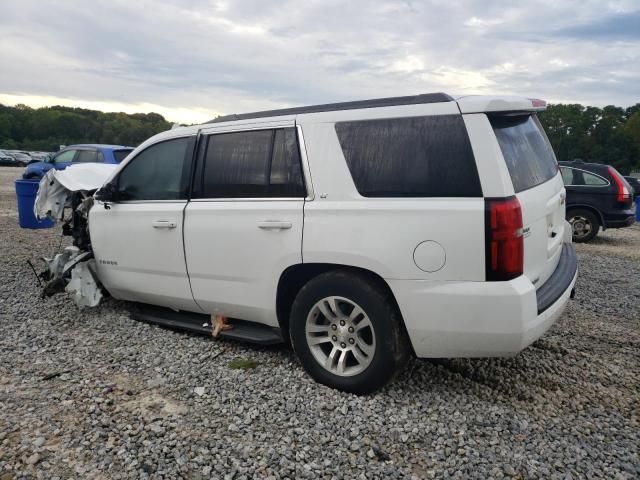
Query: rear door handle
point(163, 224)
point(274, 225)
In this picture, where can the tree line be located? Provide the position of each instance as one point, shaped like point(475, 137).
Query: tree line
point(608, 135)
point(45, 129)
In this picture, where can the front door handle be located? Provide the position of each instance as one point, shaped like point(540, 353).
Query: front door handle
point(164, 224)
point(274, 225)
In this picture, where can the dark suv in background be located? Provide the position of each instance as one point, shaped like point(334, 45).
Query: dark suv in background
point(597, 196)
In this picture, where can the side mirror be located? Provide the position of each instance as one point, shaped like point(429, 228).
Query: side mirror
point(108, 193)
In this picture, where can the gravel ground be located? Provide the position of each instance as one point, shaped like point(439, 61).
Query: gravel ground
point(94, 394)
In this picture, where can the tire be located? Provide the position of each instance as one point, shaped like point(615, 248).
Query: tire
point(368, 347)
point(585, 224)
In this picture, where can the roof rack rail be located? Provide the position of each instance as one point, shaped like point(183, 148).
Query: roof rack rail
point(328, 107)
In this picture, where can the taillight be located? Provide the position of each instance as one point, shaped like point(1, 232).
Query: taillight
point(537, 103)
point(504, 243)
point(623, 195)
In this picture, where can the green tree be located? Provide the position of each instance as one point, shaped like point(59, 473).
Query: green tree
point(46, 128)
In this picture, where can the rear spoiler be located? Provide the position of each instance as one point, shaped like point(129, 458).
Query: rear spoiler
point(482, 103)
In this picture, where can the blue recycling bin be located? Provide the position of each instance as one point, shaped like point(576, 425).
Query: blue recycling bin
point(26, 191)
point(638, 209)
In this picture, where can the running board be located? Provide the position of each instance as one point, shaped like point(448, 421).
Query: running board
point(200, 324)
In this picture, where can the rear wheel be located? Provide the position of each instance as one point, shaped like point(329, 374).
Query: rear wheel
point(584, 223)
point(347, 333)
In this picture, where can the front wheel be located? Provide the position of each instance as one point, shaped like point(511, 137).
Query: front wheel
point(347, 332)
point(584, 223)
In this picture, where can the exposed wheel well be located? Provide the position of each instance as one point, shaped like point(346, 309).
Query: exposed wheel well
point(595, 211)
point(296, 276)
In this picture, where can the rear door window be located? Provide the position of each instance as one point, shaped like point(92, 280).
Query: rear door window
point(410, 157)
point(526, 150)
point(567, 175)
point(86, 156)
point(252, 164)
point(285, 178)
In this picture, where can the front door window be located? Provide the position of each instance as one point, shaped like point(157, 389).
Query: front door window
point(158, 173)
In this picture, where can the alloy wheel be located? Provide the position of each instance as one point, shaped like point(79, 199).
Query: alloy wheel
point(340, 336)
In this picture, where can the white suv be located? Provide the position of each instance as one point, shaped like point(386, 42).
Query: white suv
point(363, 231)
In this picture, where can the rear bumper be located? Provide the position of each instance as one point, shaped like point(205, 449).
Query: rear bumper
point(483, 319)
point(620, 218)
point(625, 221)
point(560, 279)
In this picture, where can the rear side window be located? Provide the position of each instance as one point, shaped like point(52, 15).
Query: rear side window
point(121, 154)
point(526, 150)
point(579, 177)
point(410, 157)
point(87, 156)
point(259, 163)
point(595, 180)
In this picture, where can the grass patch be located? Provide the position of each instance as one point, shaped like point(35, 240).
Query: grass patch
point(243, 364)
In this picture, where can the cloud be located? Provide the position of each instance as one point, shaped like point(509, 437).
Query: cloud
point(201, 56)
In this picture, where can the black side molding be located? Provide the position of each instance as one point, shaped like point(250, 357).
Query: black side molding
point(560, 280)
point(200, 324)
point(330, 107)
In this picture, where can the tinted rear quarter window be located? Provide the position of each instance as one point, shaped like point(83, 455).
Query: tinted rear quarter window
point(410, 157)
point(526, 150)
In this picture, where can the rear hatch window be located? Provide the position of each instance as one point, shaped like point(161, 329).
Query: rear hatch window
point(526, 150)
point(121, 154)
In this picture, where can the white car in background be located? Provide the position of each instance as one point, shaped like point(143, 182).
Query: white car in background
point(364, 231)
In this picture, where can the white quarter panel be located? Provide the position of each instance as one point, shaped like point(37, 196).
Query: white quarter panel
point(473, 319)
point(234, 262)
point(137, 261)
point(381, 234)
point(543, 206)
point(493, 171)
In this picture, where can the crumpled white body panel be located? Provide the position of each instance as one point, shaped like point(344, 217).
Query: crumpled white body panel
point(83, 286)
point(56, 185)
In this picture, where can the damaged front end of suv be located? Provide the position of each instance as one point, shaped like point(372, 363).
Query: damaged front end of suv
point(73, 269)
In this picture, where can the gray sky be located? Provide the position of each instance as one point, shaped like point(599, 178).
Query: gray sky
point(191, 60)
